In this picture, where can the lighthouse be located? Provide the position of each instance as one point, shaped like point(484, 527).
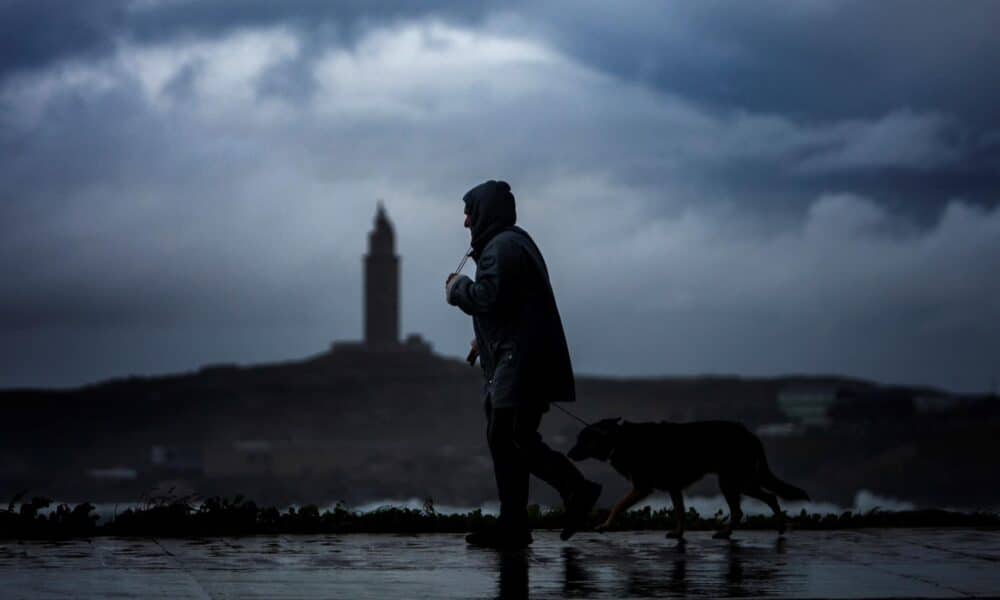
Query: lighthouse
point(381, 275)
point(380, 305)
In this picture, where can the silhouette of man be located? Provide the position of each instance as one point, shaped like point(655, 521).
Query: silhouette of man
point(522, 351)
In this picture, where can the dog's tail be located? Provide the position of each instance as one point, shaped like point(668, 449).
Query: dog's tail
point(770, 481)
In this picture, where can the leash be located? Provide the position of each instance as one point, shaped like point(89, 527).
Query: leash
point(585, 424)
point(464, 259)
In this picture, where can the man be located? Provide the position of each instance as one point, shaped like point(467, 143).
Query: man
point(522, 351)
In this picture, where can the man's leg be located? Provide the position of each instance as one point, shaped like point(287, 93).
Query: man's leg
point(543, 462)
point(555, 469)
point(512, 486)
point(509, 468)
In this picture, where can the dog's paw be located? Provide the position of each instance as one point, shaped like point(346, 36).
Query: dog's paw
point(603, 528)
point(722, 534)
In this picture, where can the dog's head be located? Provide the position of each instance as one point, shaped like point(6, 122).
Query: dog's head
point(596, 440)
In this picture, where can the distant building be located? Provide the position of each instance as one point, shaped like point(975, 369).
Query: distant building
point(415, 343)
point(820, 405)
point(808, 404)
point(381, 285)
point(381, 304)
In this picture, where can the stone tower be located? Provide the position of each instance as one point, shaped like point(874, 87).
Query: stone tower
point(381, 285)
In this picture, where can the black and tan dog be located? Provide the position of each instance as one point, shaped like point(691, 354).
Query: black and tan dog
point(672, 456)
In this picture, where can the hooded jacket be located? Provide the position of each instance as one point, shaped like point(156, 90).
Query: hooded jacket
point(522, 346)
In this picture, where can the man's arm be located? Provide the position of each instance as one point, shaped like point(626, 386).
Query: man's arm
point(485, 293)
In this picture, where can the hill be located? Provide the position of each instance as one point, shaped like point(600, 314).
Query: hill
point(358, 426)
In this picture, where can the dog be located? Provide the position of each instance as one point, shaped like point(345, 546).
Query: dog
point(672, 456)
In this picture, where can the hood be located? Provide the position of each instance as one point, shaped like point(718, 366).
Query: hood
point(490, 207)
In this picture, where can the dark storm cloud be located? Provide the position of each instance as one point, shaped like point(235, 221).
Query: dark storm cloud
point(813, 61)
point(35, 33)
point(807, 59)
point(752, 188)
point(810, 59)
point(159, 20)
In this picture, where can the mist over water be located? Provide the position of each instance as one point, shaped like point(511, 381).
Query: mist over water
point(707, 506)
point(864, 501)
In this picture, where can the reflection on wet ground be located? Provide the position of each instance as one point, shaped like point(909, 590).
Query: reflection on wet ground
point(833, 564)
point(658, 568)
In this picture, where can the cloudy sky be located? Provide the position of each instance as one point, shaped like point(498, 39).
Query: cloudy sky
point(719, 187)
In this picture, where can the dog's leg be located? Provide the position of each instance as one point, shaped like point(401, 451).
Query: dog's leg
point(732, 493)
point(677, 497)
point(755, 491)
point(635, 494)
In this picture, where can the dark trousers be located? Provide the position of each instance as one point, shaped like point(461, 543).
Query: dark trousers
point(518, 451)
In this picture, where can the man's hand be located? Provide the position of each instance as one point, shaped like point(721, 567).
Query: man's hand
point(473, 354)
point(450, 283)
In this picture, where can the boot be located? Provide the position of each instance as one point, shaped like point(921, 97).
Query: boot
point(578, 507)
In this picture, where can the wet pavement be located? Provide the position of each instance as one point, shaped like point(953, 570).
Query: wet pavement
point(894, 563)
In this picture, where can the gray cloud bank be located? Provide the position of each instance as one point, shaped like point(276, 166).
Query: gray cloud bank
point(189, 183)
